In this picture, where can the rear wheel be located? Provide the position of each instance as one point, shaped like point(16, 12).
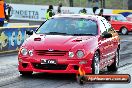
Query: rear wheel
point(115, 65)
point(95, 63)
point(124, 31)
point(26, 73)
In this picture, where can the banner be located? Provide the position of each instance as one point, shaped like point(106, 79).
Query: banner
point(126, 13)
point(37, 12)
point(12, 38)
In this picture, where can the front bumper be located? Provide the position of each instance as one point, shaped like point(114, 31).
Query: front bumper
point(63, 66)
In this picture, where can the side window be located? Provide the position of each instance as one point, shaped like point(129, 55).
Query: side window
point(114, 18)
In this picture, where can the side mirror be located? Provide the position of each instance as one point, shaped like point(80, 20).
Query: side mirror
point(29, 32)
point(106, 35)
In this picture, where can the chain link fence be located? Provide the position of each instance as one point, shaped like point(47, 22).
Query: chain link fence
point(109, 4)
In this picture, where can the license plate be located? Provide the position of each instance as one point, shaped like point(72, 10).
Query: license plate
point(45, 61)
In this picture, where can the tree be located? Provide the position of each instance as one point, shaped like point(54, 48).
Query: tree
point(102, 3)
point(71, 3)
point(129, 4)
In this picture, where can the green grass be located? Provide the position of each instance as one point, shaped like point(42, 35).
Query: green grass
point(110, 4)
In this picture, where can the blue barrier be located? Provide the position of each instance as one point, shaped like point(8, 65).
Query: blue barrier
point(12, 38)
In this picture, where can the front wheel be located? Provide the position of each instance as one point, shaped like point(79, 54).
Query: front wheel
point(115, 65)
point(95, 63)
point(124, 31)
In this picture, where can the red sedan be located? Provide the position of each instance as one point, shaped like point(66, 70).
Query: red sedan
point(64, 42)
point(119, 23)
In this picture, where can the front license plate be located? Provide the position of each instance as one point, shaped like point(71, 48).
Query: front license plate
point(45, 61)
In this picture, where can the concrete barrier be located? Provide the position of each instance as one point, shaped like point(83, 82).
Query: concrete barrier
point(11, 38)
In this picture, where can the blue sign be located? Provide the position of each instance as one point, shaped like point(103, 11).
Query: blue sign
point(12, 38)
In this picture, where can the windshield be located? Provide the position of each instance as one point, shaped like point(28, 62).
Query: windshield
point(69, 26)
point(120, 18)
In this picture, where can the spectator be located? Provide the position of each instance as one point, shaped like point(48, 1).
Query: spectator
point(101, 12)
point(49, 12)
point(96, 3)
point(59, 8)
point(83, 11)
point(9, 8)
point(89, 3)
point(95, 6)
point(2, 12)
point(94, 10)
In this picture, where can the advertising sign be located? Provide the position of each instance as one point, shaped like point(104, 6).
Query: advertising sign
point(12, 38)
point(37, 12)
point(126, 13)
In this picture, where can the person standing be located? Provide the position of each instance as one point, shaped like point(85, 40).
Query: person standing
point(89, 3)
point(9, 8)
point(83, 11)
point(95, 6)
point(49, 12)
point(2, 12)
point(101, 12)
point(59, 8)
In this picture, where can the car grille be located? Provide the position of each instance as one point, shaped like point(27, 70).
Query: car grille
point(51, 53)
point(49, 66)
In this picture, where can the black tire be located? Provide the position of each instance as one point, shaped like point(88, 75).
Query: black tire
point(114, 67)
point(95, 63)
point(124, 31)
point(81, 79)
point(26, 73)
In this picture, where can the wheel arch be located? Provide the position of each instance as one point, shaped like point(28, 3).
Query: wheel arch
point(122, 27)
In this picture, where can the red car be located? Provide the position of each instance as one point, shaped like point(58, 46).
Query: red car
point(64, 42)
point(129, 18)
point(119, 23)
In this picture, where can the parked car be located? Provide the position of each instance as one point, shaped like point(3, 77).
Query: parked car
point(119, 23)
point(64, 42)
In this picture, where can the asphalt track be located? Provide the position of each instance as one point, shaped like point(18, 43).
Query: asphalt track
point(10, 78)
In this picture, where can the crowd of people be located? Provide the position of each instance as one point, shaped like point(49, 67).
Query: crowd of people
point(50, 11)
point(5, 15)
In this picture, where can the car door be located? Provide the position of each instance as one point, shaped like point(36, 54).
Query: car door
point(106, 46)
point(109, 29)
point(116, 24)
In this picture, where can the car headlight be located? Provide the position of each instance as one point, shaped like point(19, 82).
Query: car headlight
point(24, 51)
point(30, 52)
point(80, 53)
point(71, 54)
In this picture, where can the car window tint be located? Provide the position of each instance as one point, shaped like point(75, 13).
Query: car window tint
point(87, 26)
point(69, 26)
point(113, 18)
point(121, 18)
